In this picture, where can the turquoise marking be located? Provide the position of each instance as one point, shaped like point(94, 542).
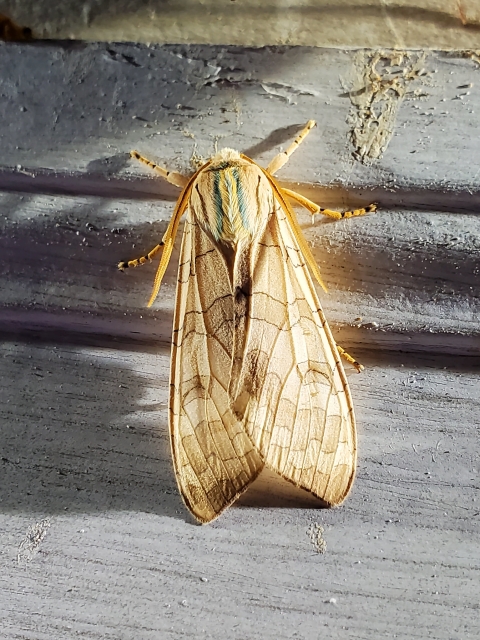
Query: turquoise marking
point(241, 200)
point(218, 206)
point(235, 197)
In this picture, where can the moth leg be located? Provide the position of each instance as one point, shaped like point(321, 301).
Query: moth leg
point(336, 215)
point(138, 261)
point(281, 158)
point(170, 176)
point(339, 215)
point(359, 367)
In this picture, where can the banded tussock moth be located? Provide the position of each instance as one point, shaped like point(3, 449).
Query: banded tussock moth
point(256, 376)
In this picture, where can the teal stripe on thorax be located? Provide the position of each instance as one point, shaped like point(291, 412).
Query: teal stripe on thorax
point(229, 218)
point(218, 230)
point(241, 200)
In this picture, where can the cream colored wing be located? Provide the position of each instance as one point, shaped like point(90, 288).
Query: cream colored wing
point(292, 393)
point(214, 458)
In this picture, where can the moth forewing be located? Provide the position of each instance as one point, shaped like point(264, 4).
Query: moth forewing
point(301, 417)
point(214, 458)
point(256, 376)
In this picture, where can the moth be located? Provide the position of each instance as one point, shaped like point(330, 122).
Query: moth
point(256, 377)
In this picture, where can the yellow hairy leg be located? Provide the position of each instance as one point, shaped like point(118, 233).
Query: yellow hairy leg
point(169, 238)
point(138, 261)
point(359, 367)
point(170, 176)
point(282, 158)
point(173, 177)
point(336, 215)
point(314, 208)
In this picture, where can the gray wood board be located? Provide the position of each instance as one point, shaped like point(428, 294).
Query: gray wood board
point(86, 449)
point(96, 541)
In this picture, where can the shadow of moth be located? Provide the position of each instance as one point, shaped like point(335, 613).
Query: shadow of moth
point(256, 377)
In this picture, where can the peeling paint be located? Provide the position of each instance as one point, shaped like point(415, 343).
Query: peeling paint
point(381, 84)
point(315, 533)
point(473, 54)
point(286, 92)
point(30, 543)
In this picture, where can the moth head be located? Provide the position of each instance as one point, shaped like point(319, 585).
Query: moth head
point(224, 156)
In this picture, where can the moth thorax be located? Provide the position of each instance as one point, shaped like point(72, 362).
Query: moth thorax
point(225, 199)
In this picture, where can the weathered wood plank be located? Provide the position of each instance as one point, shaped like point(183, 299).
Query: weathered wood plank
point(390, 287)
point(118, 558)
point(83, 420)
point(413, 272)
point(120, 95)
point(405, 23)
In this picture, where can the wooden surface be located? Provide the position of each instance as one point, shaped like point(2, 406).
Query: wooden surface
point(96, 542)
point(434, 24)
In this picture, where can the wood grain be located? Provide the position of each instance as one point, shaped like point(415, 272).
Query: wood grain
point(83, 421)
